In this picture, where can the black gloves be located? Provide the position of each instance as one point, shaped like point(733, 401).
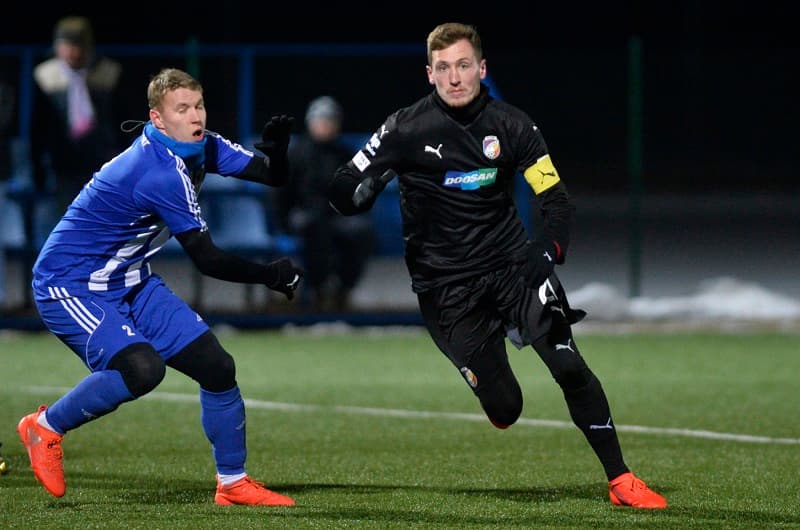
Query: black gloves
point(274, 142)
point(284, 277)
point(370, 187)
point(540, 263)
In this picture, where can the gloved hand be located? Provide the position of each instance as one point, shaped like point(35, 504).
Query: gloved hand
point(284, 277)
point(370, 187)
point(275, 138)
point(540, 263)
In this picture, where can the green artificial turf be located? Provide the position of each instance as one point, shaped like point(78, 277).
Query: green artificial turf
point(369, 429)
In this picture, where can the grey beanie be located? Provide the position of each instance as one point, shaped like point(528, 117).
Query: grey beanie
point(75, 30)
point(324, 107)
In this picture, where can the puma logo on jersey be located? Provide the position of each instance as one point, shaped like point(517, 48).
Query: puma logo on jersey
point(435, 151)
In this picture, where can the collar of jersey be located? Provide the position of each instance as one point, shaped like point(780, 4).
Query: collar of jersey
point(466, 114)
point(192, 153)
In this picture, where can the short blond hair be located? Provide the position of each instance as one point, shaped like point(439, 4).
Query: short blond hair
point(445, 35)
point(167, 80)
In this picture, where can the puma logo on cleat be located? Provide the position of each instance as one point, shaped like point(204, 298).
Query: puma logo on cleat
point(607, 425)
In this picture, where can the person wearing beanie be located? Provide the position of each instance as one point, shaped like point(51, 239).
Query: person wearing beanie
point(335, 249)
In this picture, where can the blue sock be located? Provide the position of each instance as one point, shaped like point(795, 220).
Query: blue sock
point(222, 415)
point(97, 395)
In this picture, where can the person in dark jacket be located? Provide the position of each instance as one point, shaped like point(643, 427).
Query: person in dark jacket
point(478, 277)
point(335, 249)
point(74, 127)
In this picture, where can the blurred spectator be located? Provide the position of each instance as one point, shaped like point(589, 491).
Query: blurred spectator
point(335, 248)
point(6, 115)
point(74, 127)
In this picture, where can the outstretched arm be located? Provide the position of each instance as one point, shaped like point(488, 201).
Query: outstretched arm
point(280, 275)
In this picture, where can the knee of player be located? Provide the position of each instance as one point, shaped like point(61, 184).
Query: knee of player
point(220, 374)
point(501, 425)
point(502, 403)
point(141, 367)
point(505, 415)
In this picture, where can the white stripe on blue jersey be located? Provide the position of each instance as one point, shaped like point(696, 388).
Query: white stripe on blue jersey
point(125, 214)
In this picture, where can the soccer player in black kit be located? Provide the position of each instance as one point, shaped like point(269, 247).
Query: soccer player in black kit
point(477, 277)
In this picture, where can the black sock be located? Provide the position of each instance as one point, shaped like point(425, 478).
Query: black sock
point(589, 410)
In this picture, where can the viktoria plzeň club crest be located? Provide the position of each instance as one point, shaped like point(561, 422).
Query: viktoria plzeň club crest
point(491, 147)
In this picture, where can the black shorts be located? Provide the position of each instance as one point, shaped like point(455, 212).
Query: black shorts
point(469, 320)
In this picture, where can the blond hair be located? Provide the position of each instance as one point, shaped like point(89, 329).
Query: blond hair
point(167, 80)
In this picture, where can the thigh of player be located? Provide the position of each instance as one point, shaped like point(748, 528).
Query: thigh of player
point(168, 322)
point(93, 325)
point(97, 325)
point(465, 327)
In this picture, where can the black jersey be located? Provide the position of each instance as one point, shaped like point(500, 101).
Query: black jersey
point(456, 170)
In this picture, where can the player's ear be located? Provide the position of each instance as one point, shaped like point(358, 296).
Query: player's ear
point(429, 71)
point(155, 117)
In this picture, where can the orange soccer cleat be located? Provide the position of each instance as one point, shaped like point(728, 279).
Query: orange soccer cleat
point(627, 490)
point(249, 492)
point(44, 451)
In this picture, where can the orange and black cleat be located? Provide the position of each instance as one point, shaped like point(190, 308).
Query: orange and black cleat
point(627, 490)
point(44, 451)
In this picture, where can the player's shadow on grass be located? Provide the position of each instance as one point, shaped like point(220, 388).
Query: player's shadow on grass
point(145, 490)
point(526, 495)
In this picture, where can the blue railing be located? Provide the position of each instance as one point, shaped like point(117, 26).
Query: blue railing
point(246, 56)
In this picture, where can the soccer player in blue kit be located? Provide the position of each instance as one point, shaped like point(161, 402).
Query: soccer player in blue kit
point(95, 291)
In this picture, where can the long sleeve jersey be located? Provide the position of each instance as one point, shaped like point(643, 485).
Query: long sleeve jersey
point(456, 170)
point(127, 212)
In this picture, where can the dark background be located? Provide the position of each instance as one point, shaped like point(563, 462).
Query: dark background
point(719, 110)
point(719, 107)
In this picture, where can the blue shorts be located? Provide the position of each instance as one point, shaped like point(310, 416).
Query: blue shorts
point(97, 325)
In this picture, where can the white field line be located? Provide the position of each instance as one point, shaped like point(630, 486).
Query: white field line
point(462, 416)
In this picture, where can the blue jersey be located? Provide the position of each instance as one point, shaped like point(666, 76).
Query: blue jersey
point(126, 213)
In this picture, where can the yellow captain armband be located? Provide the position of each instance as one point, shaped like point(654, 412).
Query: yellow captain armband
point(542, 175)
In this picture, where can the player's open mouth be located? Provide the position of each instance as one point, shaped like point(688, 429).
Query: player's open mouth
point(198, 134)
